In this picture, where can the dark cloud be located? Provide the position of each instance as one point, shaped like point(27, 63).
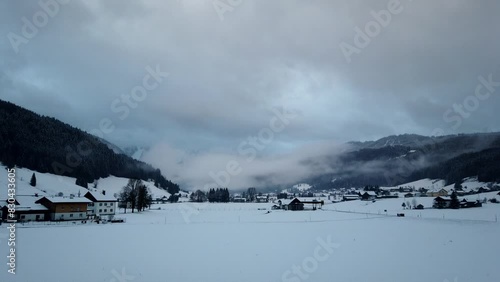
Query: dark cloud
point(227, 76)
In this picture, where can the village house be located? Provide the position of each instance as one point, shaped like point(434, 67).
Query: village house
point(294, 205)
point(346, 198)
point(102, 205)
point(262, 199)
point(26, 209)
point(439, 193)
point(368, 196)
point(297, 204)
point(239, 200)
point(470, 204)
point(441, 202)
point(60, 208)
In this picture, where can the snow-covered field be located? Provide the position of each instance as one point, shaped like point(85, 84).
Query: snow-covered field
point(242, 242)
point(348, 241)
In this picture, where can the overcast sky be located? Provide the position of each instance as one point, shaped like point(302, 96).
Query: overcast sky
point(233, 64)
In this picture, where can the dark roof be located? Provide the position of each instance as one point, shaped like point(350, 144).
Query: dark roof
point(98, 197)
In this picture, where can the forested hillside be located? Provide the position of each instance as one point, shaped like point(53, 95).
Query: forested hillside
point(45, 144)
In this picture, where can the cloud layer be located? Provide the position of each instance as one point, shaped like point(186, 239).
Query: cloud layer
point(226, 76)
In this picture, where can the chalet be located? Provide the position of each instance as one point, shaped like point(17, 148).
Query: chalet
point(346, 198)
point(419, 207)
point(442, 202)
point(102, 205)
point(60, 208)
point(26, 209)
point(409, 195)
point(294, 205)
point(262, 199)
point(439, 193)
point(466, 204)
point(297, 204)
point(239, 200)
point(368, 196)
point(162, 200)
point(422, 190)
point(483, 190)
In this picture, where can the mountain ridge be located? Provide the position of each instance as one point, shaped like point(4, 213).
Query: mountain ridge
point(47, 145)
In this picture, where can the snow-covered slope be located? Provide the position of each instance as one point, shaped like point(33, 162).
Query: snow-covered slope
point(53, 185)
point(429, 184)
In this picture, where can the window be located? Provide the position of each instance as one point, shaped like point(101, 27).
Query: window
point(111, 210)
point(81, 215)
point(100, 210)
point(37, 217)
point(100, 204)
point(71, 215)
point(23, 216)
point(105, 210)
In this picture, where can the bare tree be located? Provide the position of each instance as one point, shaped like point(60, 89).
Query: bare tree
point(414, 203)
point(130, 195)
point(251, 193)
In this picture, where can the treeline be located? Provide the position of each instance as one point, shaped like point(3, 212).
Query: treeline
point(485, 165)
point(48, 145)
point(219, 195)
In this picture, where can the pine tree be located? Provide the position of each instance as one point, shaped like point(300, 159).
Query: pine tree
point(455, 203)
point(82, 182)
point(33, 180)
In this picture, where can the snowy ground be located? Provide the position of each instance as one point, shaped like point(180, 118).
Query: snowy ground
point(239, 242)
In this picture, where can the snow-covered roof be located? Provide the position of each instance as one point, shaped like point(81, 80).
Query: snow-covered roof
point(445, 198)
point(60, 200)
point(371, 193)
point(102, 198)
point(27, 203)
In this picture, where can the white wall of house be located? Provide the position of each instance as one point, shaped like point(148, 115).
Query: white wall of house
point(31, 217)
point(101, 209)
point(68, 216)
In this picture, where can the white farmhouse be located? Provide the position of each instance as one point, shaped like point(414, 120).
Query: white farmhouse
point(102, 205)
